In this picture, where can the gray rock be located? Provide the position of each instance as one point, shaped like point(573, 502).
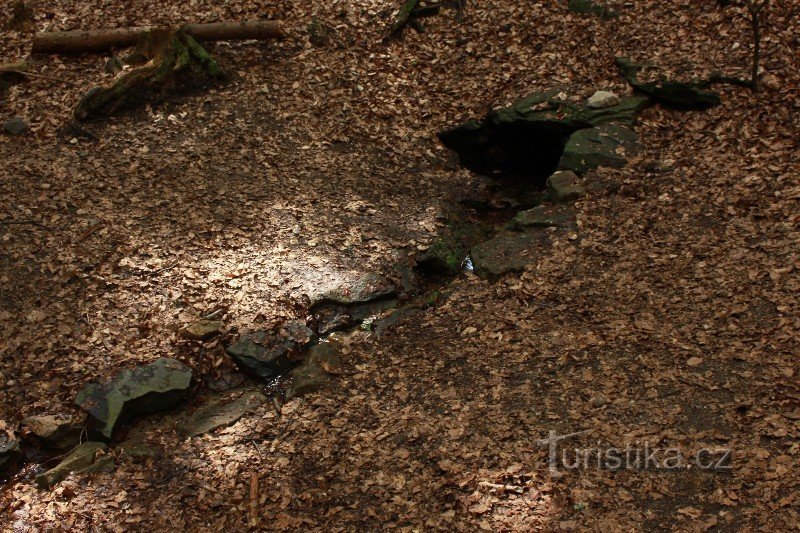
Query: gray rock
point(10, 452)
point(509, 251)
point(367, 288)
point(267, 354)
point(564, 186)
point(602, 99)
point(146, 389)
point(607, 145)
point(58, 430)
point(220, 413)
point(82, 459)
point(314, 374)
point(15, 126)
point(544, 216)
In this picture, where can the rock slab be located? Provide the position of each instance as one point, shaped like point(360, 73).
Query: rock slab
point(220, 414)
point(509, 251)
point(88, 457)
point(146, 389)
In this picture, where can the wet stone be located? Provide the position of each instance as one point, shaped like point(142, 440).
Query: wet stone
point(608, 145)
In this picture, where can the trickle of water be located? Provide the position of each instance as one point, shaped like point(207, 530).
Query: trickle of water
point(466, 264)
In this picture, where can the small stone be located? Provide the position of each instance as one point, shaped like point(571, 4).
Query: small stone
point(80, 460)
point(314, 373)
point(601, 99)
point(10, 452)
point(58, 430)
point(146, 389)
point(564, 187)
point(599, 401)
point(221, 413)
point(15, 126)
point(200, 330)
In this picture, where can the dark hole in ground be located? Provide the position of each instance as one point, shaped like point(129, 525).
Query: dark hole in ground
point(521, 151)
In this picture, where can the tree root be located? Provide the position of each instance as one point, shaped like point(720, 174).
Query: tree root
point(175, 61)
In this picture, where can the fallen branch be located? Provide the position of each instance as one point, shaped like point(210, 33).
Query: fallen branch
point(68, 42)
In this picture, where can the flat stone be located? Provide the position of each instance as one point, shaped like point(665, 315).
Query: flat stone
point(544, 216)
point(15, 126)
point(220, 414)
point(509, 251)
point(314, 374)
point(80, 460)
point(10, 452)
point(57, 430)
point(202, 329)
point(138, 450)
point(366, 288)
point(146, 389)
point(564, 186)
point(267, 354)
point(602, 99)
point(332, 317)
point(608, 145)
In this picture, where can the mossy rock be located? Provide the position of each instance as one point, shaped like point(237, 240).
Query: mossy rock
point(146, 389)
point(86, 458)
point(607, 145)
point(445, 256)
point(564, 186)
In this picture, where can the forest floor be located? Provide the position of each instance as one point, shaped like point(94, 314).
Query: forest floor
point(673, 320)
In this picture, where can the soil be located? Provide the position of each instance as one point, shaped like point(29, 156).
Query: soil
point(667, 319)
